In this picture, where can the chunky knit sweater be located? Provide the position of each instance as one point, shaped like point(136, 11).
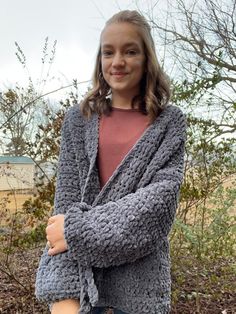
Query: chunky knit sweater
point(118, 250)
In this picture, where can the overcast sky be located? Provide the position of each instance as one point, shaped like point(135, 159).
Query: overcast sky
point(75, 24)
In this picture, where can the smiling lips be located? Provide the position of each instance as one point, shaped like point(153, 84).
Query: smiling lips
point(118, 74)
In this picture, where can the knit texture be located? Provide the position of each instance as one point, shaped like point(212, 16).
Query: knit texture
point(118, 250)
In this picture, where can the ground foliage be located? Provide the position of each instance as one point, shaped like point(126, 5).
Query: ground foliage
point(197, 286)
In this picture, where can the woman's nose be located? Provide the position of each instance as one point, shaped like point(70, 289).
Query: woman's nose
point(118, 60)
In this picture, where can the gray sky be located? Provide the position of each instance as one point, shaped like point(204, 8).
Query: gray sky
point(75, 24)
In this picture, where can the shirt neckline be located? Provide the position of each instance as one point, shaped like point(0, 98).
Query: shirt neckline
point(126, 110)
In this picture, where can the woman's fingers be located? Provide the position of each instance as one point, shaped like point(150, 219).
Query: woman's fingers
point(58, 247)
point(51, 220)
point(55, 235)
point(49, 245)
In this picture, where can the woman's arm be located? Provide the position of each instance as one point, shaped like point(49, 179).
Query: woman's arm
point(130, 228)
point(68, 306)
point(126, 229)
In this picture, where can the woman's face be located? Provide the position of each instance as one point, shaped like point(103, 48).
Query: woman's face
point(122, 59)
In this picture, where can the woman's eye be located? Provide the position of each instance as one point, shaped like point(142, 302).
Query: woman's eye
point(107, 53)
point(131, 52)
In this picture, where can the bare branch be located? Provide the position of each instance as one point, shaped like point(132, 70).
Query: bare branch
point(36, 99)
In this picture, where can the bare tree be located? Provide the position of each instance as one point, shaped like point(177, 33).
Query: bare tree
point(19, 129)
point(200, 36)
point(22, 108)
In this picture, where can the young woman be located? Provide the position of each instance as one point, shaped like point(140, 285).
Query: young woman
point(119, 175)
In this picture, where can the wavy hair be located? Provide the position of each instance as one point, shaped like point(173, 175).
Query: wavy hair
point(154, 86)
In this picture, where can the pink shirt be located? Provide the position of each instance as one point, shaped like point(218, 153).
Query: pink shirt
point(118, 133)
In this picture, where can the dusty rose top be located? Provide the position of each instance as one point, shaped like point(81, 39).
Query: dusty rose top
point(118, 133)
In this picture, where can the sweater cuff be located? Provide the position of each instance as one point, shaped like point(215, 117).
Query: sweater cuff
point(74, 224)
point(57, 278)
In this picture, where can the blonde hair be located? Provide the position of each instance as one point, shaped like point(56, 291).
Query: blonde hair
point(154, 88)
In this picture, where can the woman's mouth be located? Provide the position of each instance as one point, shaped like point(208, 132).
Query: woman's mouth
point(118, 74)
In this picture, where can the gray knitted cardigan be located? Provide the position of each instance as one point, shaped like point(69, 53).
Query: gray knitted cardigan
point(118, 251)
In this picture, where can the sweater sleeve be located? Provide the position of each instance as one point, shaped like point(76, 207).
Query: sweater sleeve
point(122, 231)
point(57, 276)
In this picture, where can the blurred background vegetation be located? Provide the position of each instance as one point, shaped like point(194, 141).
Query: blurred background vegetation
point(197, 48)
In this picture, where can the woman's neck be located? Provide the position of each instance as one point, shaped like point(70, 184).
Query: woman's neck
point(122, 102)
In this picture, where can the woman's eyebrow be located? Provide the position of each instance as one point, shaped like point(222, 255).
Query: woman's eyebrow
point(128, 44)
point(106, 46)
point(131, 44)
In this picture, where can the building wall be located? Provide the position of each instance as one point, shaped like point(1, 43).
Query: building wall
point(16, 176)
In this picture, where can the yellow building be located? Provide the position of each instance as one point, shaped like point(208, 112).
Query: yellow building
point(16, 173)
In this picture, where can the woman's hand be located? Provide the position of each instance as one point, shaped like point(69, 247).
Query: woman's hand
point(55, 235)
point(68, 306)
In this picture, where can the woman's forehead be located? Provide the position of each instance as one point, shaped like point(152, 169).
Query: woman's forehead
point(120, 34)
